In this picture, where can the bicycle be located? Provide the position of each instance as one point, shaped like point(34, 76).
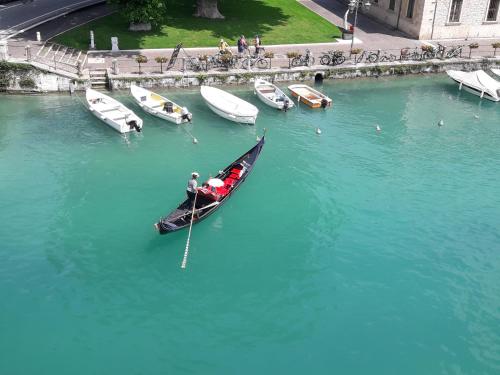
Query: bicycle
point(385, 57)
point(432, 52)
point(332, 57)
point(195, 64)
point(258, 61)
point(370, 57)
point(454, 51)
point(303, 60)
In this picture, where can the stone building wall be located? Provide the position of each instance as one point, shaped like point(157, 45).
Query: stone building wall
point(430, 19)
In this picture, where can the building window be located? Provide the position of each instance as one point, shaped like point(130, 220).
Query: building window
point(409, 11)
point(492, 10)
point(392, 4)
point(456, 8)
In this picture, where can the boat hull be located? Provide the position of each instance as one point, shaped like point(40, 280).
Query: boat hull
point(474, 91)
point(232, 117)
point(181, 217)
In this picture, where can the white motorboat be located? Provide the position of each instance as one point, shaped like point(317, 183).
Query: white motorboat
point(229, 106)
point(160, 106)
point(112, 112)
point(496, 71)
point(271, 95)
point(309, 96)
point(477, 82)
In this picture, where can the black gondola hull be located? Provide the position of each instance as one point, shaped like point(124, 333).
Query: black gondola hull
point(181, 217)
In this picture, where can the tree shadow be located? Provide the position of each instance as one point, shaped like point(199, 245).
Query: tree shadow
point(241, 17)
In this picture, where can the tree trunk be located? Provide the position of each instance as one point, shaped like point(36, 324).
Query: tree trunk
point(207, 9)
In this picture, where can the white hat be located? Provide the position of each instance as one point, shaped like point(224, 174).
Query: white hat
point(195, 174)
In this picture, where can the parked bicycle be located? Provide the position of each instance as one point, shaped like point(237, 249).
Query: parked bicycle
point(254, 61)
point(368, 56)
point(303, 60)
point(222, 60)
point(431, 52)
point(195, 64)
point(454, 51)
point(332, 57)
point(384, 57)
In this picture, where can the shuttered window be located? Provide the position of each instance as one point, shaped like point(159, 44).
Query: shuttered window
point(456, 8)
point(492, 10)
point(409, 11)
point(392, 4)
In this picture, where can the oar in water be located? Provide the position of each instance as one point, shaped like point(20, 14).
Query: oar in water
point(186, 250)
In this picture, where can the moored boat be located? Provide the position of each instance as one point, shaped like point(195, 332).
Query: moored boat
point(112, 112)
point(309, 96)
point(271, 95)
point(229, 106)
point(477, 82)
point(495, 71)
point(160, 106)
point(213, 193)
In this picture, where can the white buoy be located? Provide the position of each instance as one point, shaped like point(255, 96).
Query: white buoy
point(318, 131)
point(476, 116)
point(195, 141)
point(440, 123)
point(378, 128)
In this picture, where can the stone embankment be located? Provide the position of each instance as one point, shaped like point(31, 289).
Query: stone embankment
point(33, 77)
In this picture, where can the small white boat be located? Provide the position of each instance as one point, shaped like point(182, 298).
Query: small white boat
point(271, 95)
point(112, 112)
point(309, 96)
point(160, 106)
point(496, 71)
point(478, 83)
point(229, 106)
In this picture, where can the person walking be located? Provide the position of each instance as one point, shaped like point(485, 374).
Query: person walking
point(191, 188)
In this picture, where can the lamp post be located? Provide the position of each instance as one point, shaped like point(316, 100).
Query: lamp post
point(353, 7)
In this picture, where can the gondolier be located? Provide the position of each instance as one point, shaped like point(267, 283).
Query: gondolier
point(191, 187)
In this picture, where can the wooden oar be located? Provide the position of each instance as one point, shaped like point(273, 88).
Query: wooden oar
point(186, 250)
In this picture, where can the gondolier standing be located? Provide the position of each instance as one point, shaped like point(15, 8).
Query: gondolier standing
point(191, 187)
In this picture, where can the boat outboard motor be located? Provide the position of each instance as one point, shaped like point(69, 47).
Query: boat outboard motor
point(185, 114)
point(286, 104)
point(324, 103)
point(133, 125)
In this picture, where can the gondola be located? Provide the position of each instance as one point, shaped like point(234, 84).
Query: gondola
point(211, 195)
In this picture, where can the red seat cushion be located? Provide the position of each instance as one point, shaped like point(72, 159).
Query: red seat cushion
point(229, 181)
point(236, 171)
point(222, 190)
point(234, 176)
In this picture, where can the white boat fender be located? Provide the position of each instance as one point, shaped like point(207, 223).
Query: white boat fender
point(460, 86)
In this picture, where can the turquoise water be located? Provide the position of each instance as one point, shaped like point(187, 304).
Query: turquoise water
point(349, 252)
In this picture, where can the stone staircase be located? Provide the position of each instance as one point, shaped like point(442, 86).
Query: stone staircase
point(98, 79)
point(58, 56)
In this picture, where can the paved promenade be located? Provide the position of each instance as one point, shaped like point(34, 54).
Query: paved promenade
point(369, 35)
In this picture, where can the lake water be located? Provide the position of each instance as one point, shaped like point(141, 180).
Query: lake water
point(349, 252)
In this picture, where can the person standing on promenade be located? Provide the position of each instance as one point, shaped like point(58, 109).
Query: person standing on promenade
point(256, 44)
point(242, 45)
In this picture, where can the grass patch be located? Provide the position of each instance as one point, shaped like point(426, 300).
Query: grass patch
point(278, 21)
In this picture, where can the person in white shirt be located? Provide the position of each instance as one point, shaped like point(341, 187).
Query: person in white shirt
point(191, 188)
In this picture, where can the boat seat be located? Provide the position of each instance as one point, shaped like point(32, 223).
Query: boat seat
point(111, 109)
point(266, 91)
point(229, 182)
point(119, 118)
point(222, 191)
point(157, 105)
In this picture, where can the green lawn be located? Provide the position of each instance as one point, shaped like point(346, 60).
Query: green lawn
point(278, 21)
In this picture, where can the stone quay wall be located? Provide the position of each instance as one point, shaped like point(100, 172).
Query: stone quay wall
point(23, 77)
